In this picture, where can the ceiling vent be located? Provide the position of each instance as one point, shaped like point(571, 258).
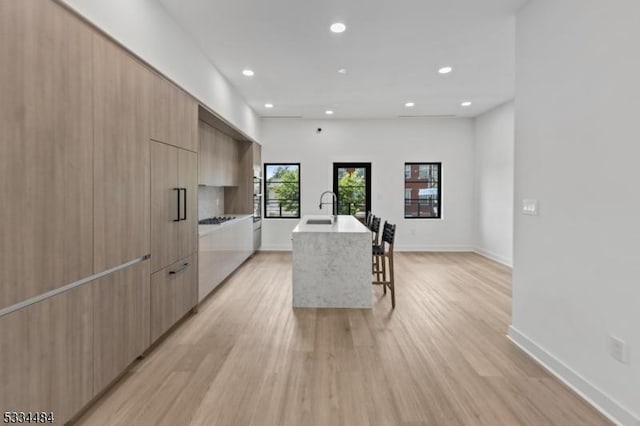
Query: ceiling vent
point(281, 116)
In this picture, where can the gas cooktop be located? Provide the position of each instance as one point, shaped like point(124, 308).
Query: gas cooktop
point(216, 220)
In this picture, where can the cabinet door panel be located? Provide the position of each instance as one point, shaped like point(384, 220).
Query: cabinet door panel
point(46, 212)
point(46, 356)
point(121, 321)
point(185, 117)
point(174, 291)
point(188, 178)
point(121, 156)
point(160, 104)
point(175, 115)
point(164, 201)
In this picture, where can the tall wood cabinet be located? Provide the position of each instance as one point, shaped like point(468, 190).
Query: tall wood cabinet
point(76, 194)
point(121, 155)
point(174, 198)
point(174, 238)
point(46, 148)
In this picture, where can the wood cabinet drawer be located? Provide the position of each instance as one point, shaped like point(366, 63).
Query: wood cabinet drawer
point(174, 291)
point(121, 321)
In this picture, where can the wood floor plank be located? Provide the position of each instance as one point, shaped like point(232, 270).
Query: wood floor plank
point(440, 358)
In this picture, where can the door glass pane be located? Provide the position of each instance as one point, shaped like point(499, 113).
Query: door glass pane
point(352, 191)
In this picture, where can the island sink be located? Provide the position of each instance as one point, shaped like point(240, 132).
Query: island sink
point(322, 221)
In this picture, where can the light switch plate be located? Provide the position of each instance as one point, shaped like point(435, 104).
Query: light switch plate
point(530, 207)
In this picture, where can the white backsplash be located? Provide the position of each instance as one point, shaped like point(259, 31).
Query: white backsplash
point(210, 201)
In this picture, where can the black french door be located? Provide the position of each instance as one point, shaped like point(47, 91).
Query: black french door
point(352, 185)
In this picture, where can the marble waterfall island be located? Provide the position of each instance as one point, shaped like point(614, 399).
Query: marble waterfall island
point(331, 263)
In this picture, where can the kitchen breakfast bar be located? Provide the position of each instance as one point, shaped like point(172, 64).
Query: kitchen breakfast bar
point(331, 263)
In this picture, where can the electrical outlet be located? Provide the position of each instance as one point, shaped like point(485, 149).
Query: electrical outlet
point(618, 349)
point(217, 202)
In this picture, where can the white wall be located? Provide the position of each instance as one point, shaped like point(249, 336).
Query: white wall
point(387, 144)
point(145, 28)
point(576, 276)
point(493, 183)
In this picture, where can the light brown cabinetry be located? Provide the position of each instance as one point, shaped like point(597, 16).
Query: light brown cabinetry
point(188, 226)
point(120, 321)
point(121, 155)
point(164, 205)
point(174, 291)
point(46, 356)
point(174, 116)
point(208, 173)
point(174, 198)
point(46, 212)
point(239, 199)
point(219, 159)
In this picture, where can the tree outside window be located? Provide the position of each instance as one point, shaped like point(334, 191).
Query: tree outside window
point(352, 192)
point(282, 190)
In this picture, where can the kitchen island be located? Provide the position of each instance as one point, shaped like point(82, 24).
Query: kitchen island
point(331, 263)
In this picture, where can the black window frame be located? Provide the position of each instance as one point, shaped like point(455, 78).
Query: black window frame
point(266, 190)
point(410, 180)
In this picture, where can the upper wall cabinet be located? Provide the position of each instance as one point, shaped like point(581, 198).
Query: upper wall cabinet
point(174, 118)
point(46, 212)
point(121, 155)
point(219, 157)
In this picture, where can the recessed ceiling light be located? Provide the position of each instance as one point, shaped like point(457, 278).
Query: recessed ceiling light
point(338, 27)
point(247, 73)
point(328, 112)
point(466, 103)
point(268, 105)
point(342, 71)
point(445, 70)
point(409, 104)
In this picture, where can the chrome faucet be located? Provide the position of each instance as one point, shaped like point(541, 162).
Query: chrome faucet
point(334, 203)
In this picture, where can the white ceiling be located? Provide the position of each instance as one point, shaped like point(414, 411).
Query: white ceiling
point(391, 49)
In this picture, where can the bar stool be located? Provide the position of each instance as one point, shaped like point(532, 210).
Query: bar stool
point(375, 228)
point(383, 256)
point(367, 220)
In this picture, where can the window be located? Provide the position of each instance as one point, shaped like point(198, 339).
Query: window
point(422, 190)
point(282, 190)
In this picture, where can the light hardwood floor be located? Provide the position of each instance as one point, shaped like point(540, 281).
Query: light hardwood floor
point(440, 358)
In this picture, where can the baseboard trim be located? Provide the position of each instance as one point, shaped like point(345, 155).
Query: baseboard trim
point(495, 257)
point(420, 247)
point(613, 410)
point(275, 248)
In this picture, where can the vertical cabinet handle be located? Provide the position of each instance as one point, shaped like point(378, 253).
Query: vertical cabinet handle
point(178, 192)
point(184, 201)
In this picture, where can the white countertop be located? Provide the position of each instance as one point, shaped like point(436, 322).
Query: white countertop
point(207, 229)
point(343, 224)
